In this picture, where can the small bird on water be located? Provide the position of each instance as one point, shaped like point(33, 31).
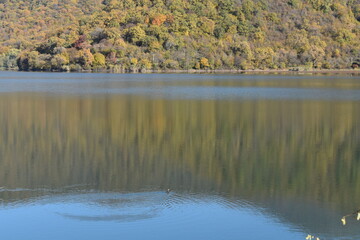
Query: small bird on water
point(168, 190)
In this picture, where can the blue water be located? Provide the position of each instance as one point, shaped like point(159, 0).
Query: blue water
point(91, 156)
point(182, 86)
point(150, 215)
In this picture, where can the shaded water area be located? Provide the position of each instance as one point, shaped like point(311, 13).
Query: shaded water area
point(90, 156)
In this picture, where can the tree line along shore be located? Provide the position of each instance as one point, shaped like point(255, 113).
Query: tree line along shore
point(179, 35)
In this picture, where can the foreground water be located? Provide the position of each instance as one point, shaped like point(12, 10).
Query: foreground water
point(91, 156)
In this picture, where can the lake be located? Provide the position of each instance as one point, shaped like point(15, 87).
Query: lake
point(179, 156)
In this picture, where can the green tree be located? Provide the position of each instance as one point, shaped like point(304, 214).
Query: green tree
point(135, 35)
point(99, 60)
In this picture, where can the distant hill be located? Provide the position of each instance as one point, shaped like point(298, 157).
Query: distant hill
point(136, 35)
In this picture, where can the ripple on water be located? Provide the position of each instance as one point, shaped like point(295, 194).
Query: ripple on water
point(162, 207)
point(154, 211)
point(119, 207)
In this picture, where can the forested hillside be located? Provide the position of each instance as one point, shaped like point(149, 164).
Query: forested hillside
point(137, 35)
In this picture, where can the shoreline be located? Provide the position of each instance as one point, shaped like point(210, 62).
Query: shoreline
point(257, 71)
point(192, 71)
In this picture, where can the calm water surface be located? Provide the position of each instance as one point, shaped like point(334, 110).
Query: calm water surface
point(90, 156)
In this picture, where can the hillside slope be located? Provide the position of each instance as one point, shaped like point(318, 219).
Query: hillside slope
point(133, 35)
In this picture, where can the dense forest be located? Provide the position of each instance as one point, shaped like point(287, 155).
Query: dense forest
point(140, 35)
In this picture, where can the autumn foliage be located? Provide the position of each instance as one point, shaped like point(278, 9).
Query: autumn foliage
point(179, 34)
point(158, 19)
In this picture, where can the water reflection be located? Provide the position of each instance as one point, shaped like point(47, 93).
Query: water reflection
point(297, 161)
